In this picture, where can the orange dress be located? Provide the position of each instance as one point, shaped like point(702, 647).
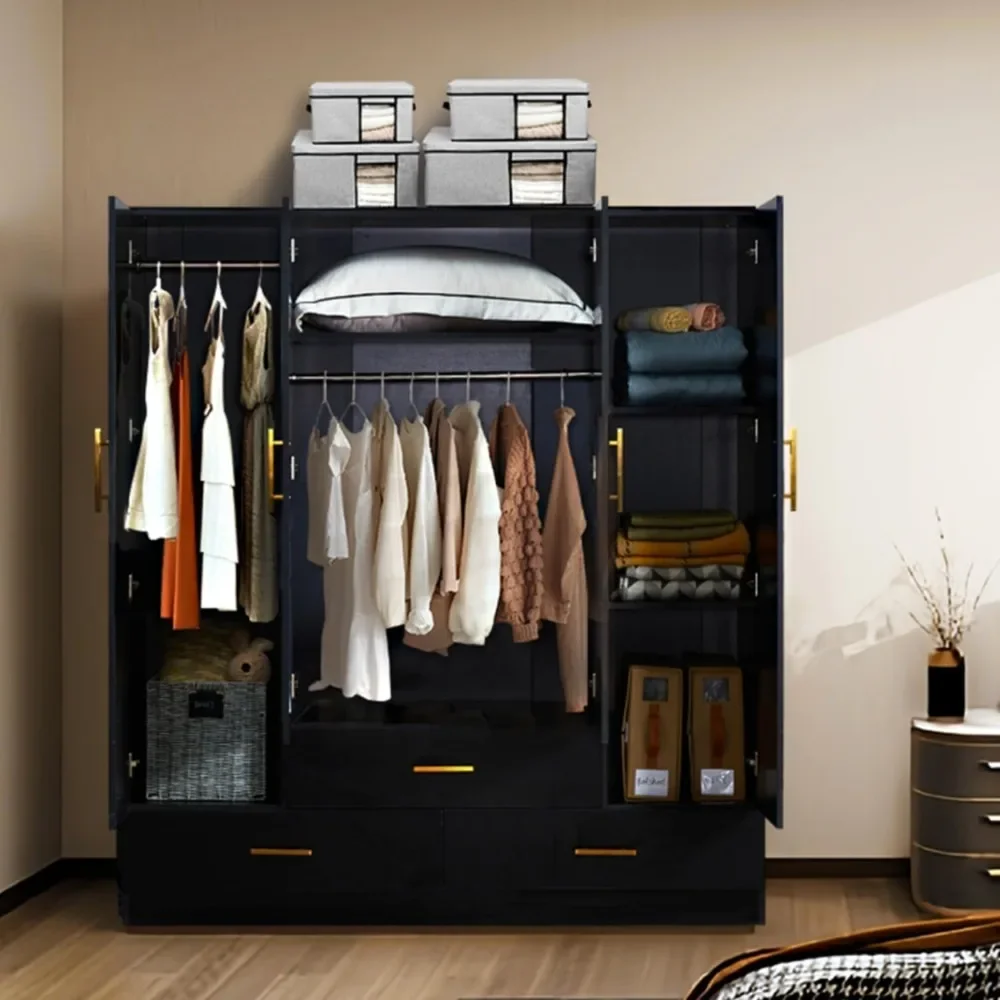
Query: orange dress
point(179, 585)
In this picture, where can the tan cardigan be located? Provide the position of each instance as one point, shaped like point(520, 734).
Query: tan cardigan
point(520, 525)
point(565, 576)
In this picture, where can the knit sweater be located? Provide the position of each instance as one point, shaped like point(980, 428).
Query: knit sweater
point(520, 526)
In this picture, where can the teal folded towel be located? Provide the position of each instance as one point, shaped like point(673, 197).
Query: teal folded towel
point(651, 390)
point(719, 350)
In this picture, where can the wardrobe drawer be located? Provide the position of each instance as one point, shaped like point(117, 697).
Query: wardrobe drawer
point(700, 848)
point(950, 883)
point(251, 858)
point(956, 770)
point(433, 767)
point(505, 849)
point(956, 827)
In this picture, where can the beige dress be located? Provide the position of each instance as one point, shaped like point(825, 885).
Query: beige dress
point(258, 570)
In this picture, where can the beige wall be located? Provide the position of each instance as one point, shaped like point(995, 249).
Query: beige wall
point(30, 289)
point(876, 121)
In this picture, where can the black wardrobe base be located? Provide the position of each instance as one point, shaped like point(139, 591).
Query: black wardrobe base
point(530, 909)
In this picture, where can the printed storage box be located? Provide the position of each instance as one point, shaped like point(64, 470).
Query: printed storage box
point(362, 112)
point(525, 110)
point(354, 175)
point(206, 741)
point(517, 172)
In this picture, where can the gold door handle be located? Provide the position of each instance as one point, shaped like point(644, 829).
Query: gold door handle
point(99, 444)
point(993, 872)
point(792, 496)
point(990, 765)
point(618, 443)
point(281, 852)
point(443, 768)
point(605, 852)
point(992, 820)
point(272, 443)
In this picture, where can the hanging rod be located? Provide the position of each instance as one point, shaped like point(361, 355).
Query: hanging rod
point(444, 376)
point(201, 265)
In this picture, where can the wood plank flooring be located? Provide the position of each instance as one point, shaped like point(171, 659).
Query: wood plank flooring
point(69, 945)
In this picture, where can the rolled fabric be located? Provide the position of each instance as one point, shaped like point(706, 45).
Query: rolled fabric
point(706, 316)
point(653, 390)
point(729, 559)
point(685, 519)
point(737, 540)
point(658, 319)
point(721, 350)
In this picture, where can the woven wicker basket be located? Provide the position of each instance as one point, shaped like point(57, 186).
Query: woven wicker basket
point(205, 741)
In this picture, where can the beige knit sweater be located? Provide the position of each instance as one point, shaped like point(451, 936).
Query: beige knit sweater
point(520, 525)
point(565, 575)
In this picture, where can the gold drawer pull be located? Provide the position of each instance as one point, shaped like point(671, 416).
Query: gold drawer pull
point(99, 494)
point(792, 496)
point(281, 852)
point(443, 768)
point(990, 765)
point(995, 820)
point(993, 872)
point(618, 443)
point(605, 852)
point(272, 443)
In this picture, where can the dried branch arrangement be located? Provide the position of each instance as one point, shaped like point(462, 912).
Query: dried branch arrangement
point(948, 612)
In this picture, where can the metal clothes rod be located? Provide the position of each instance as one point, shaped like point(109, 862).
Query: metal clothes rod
point(445, 377)
point(201, 265)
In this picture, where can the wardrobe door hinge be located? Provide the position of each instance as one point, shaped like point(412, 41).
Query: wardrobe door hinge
point(133, 763)
point(593, 249)
point(593, 685)
point(293, 250)
point(133, 431)
point(133, 586)
point(752, 763)
point(756, 430)
point(293, 687)
point(593, 467)
point(754, 252)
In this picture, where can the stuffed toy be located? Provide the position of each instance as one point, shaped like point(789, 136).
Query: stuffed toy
point(250, 664)
point(207, 655)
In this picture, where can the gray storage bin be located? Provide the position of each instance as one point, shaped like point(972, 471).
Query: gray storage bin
point(354, 175)
point(508, 173)
point(362, 112)
point(206, 741)
point(525, 110)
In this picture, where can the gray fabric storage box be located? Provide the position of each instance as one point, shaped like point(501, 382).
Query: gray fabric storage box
point(354, 175)
point(516, 172)
point(526, 110)
point(206, 741)
point(362, 112)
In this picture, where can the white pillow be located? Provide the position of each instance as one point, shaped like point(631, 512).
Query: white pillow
point(454, 282)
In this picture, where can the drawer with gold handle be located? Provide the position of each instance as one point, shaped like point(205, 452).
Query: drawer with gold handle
point(955, 826)
point(947, 884)
point(956, 769)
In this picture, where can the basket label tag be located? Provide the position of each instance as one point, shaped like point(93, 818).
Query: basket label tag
point(205, 705)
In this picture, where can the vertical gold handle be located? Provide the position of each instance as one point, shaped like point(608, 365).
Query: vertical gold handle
point(272, 442)
point(792, 496)
point(618, 443)
point(99, 495)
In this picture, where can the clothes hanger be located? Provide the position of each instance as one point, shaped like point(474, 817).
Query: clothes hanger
point(157, 288)
point(325, 405)
point(353, 404)
point(413, 406)
point(508, 389)
point(259, 299)
point(218, 300)
point(381, 387)
point(468, 386)
point(437, 386)
point(181, 293)
point(562, 390)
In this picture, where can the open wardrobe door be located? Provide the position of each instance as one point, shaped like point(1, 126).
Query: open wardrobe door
point(778, 497)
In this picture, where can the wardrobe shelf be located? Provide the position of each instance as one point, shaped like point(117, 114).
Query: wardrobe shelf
point(691, 604)
point(569, 334)
point(741, 409)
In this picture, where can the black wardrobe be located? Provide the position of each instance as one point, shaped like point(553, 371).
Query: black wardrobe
point(471, 797)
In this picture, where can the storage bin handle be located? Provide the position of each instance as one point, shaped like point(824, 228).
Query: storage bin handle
point(444, 104)
point(309, 107)
point(99, 444)
point(272, 443)
point(618, 443)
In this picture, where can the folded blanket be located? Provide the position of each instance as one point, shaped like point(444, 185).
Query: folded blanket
point(660, 319)
point(677, 534)
point(737, 541)
point(539, 119)
point(683, 562)
point(719, 350)
point(685, 519)
point(653, 390)
point(536, 182)
point(706, 316)
point(376, 184)
point(378, 122)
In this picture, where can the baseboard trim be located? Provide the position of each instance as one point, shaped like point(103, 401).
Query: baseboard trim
point(837, 867)
point(51, 875)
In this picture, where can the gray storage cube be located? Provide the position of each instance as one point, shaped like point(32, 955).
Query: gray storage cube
point(354, 175)
point(526, 110)
point(206, 741)
point(515, 172)
point(362, 112)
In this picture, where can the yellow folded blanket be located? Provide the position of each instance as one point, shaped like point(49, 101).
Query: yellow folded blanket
point(680, 562)
point(736, 541)
point(678, 534)
point(659, 319)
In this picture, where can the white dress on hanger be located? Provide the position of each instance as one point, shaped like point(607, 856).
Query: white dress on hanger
point(152, 497)
point(219, 543)
point(391, 543)
point(354, 650)
point(423, 521)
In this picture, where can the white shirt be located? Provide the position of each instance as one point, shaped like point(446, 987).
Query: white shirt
point(390, 511)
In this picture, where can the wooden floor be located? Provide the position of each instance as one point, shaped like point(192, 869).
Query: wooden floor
point(68, 945)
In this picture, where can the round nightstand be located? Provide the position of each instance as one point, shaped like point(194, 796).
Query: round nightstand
point(955, 813)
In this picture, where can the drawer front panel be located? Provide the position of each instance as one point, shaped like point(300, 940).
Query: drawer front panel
point(249, 858)
point(956, 827)
point(956, 770)
point(437, 769)
point(505, 849)
point(951, 883)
